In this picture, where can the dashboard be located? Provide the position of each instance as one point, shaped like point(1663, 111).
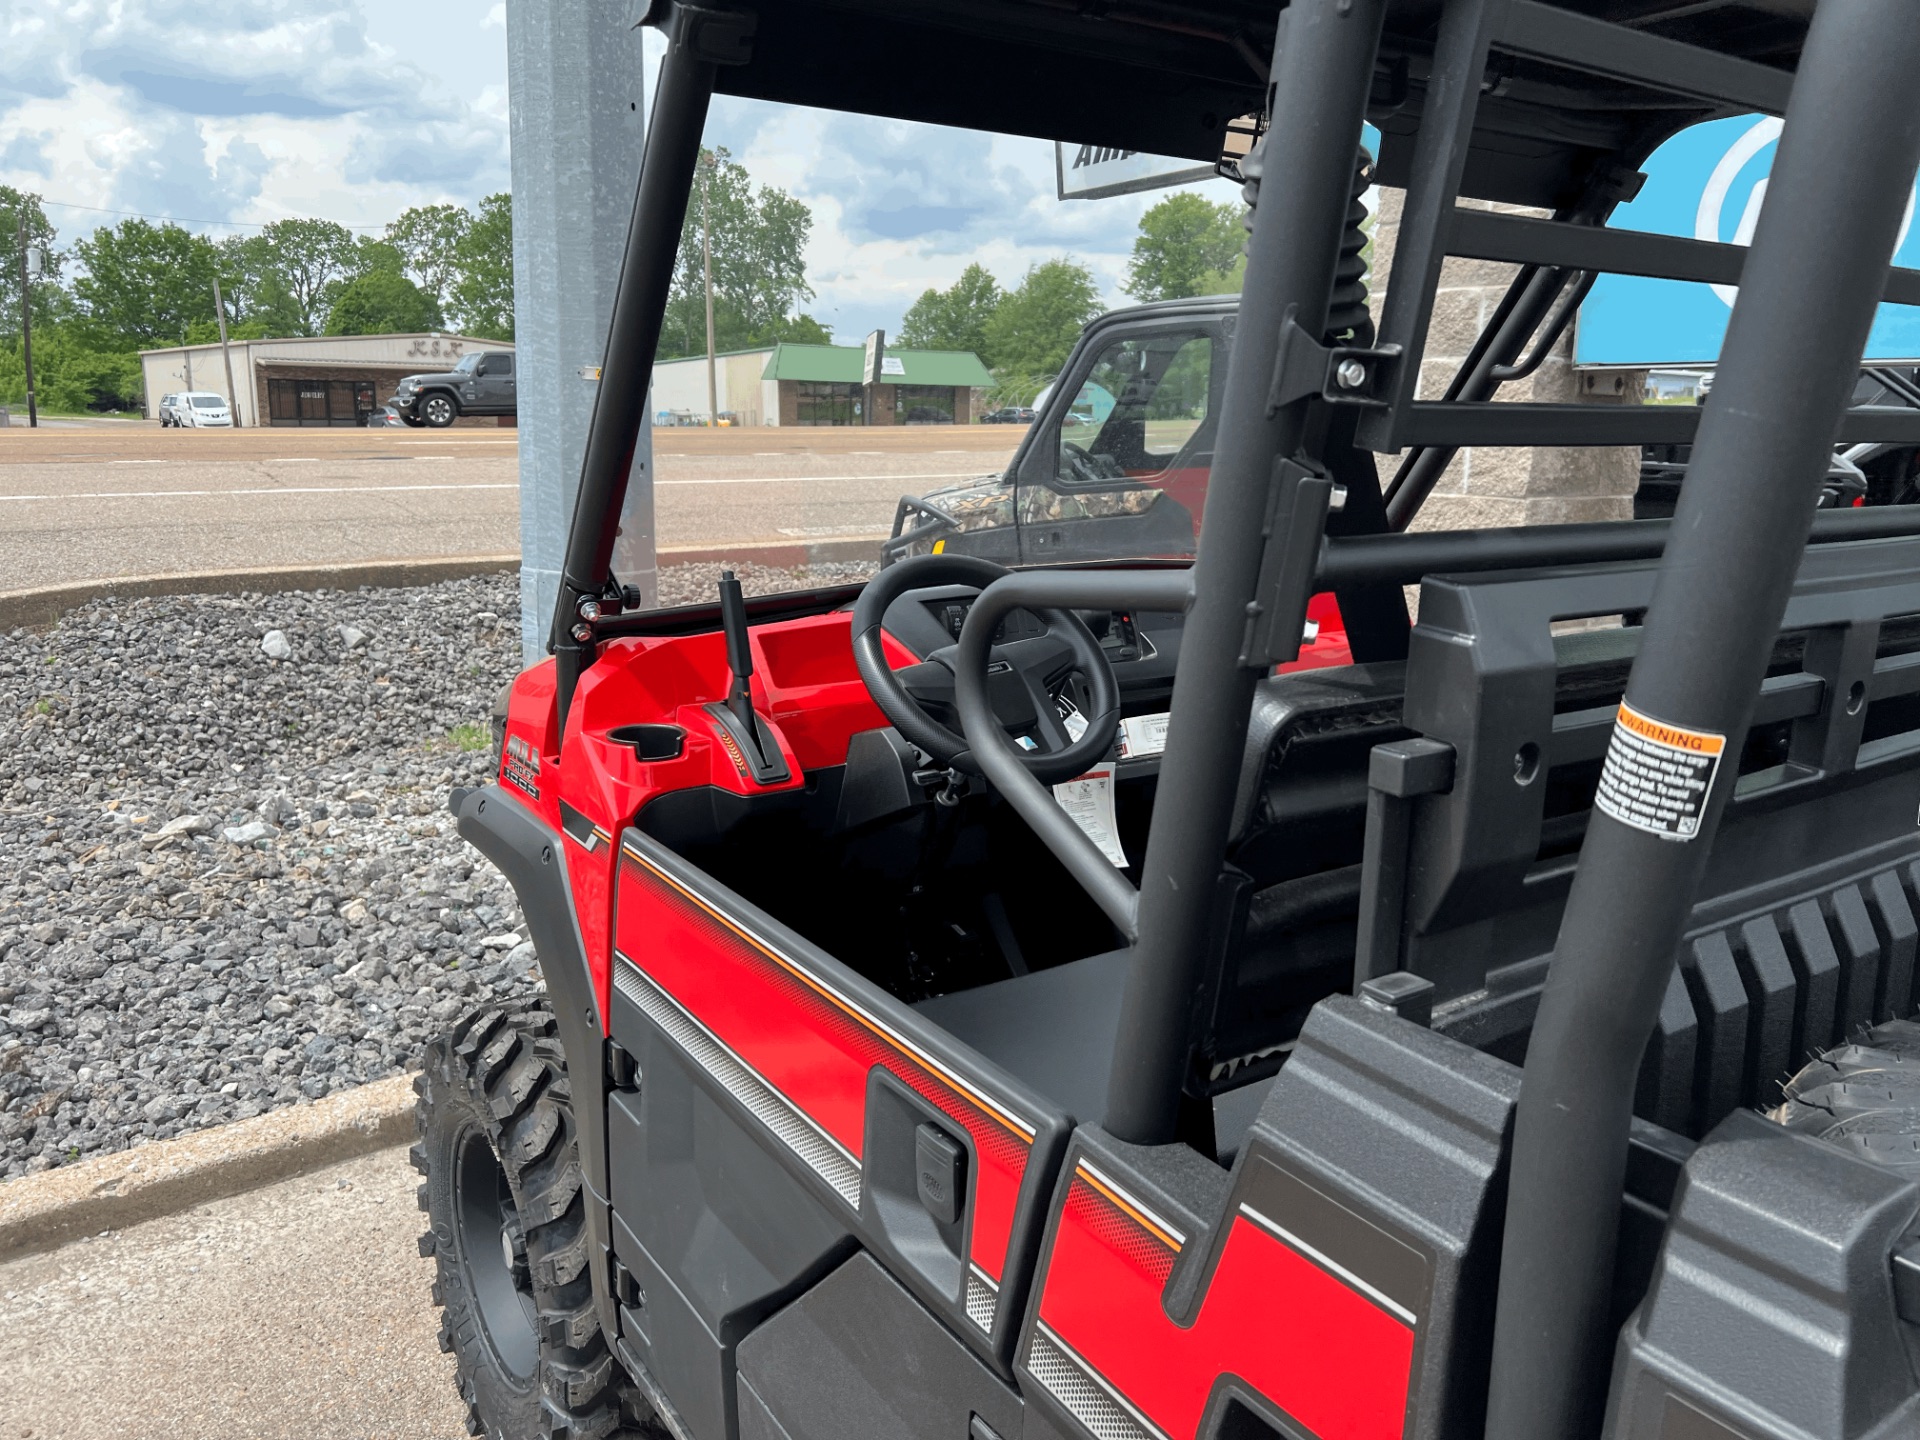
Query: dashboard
point(1142, 648)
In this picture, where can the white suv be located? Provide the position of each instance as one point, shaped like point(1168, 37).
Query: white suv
point(202, 409)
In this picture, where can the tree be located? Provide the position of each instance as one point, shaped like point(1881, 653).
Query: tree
point(1230, 281)
point(310, 260)
point(71, 375)
point(254, 293)
point(370, 255)
point(482, 293)
point(13, 204)
point(1182, 241)
point(428, 238)
point(955, 318)
point(382, 302)
point(1035, 326)
point(759, 240)
point(145, 284)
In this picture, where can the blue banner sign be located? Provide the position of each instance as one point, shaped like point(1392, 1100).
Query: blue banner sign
point(1708, 183)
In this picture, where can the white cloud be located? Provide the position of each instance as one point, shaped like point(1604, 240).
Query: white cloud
point(900, 207)
point(237, 111)
point(229, 110)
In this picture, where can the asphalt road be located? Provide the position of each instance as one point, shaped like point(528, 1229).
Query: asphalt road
point(299, 1311)
point(98, 504)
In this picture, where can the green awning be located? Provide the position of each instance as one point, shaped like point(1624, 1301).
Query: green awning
point(841, 364)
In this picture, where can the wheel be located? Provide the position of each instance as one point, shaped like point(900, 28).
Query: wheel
point(507, 1230)
point(1864, 1097)
point(439, 410)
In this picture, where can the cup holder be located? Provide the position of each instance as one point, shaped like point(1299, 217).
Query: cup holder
point(651, 742)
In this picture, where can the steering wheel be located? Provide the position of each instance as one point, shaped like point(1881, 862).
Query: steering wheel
point(1032, 666)
point(1081, 459)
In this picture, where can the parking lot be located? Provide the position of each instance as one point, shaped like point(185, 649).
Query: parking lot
point(96, 504)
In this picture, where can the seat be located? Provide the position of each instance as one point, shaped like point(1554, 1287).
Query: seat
point(1053, 1029)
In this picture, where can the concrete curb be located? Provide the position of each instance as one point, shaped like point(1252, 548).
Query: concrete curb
point(111, 1192)
point(778, 553)
point(47, 604)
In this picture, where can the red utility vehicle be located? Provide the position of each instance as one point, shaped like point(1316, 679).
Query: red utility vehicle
point(1395, 1048)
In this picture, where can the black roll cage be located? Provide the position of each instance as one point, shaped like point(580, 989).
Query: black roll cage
point(1545, 105)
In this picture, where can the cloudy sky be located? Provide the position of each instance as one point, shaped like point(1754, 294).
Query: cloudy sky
point(218, 113)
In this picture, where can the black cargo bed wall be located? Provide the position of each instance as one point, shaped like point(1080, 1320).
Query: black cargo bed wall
point(1806, 928)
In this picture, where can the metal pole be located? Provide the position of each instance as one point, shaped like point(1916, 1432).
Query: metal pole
point(576, 87)
point(1322, 67)
point(226, 355)
point(706, 271)
point(702, 40)
point(26, 326)
point(1792, 354)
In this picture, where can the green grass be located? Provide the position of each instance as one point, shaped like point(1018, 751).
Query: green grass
point(470, 737)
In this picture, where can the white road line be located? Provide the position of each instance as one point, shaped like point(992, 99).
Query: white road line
point(399, 489)
point(291, 460)
point(258, 490)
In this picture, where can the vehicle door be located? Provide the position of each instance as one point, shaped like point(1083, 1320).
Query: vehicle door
point(496, 383)
point(468, 383)
point(1119, 459)
point(792, 1111)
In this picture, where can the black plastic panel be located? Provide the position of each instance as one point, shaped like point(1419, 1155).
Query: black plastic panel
point(718, 1233)
point(1805, 929)
point(1774, 1286)
point(858, 1358)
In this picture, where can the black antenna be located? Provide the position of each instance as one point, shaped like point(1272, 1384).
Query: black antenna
point(733, 621)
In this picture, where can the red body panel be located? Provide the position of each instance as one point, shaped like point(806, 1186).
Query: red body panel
point(1328, 1356)
point(1329, 645)
point(804, 682)
point(811, 1043)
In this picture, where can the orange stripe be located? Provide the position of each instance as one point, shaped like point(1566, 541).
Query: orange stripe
point(1146, 1221)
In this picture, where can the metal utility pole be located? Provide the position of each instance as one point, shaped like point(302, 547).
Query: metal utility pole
point(26, 324)
point(578, 112)
point(220, 313)
point(706, 268)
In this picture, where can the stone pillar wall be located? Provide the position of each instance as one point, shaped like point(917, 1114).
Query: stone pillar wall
point(1488, 486)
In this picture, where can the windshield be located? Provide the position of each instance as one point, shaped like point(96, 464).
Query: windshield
point(466, 364)
point(902, 360)
point(208, 402)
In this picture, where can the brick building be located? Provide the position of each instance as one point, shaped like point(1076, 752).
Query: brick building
point(820, 385)
point(318, 380)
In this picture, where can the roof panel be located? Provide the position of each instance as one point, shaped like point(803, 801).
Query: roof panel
point(840, 364)
point(1166, 77)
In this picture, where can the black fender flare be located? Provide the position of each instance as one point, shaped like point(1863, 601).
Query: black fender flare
point(533, 858)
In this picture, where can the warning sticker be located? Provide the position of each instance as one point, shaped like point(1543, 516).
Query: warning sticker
point(1088, 799)
point(1658, 776)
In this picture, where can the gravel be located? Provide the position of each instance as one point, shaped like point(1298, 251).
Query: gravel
point(228, 878)
point(229, 882)
point(697, 584)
